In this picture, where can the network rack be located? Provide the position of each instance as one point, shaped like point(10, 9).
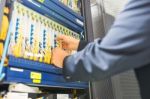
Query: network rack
point(32, 72)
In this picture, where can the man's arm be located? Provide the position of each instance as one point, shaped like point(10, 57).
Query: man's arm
point(126, 46)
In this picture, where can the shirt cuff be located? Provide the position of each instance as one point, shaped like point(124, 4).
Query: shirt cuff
point(66, 73)
point(82, 44)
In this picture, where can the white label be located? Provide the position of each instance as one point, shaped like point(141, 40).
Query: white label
point(79, 22)
point(63, 96)
point(16, 69)
point(38, 55)
point(28, 53)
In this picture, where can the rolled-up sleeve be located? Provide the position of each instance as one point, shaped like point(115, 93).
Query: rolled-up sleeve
point(126, 46)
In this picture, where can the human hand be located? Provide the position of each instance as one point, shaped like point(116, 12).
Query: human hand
point(58, 56)
point(68, 43)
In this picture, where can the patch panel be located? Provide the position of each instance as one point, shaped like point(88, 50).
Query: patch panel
point(33, 35)
point(56, 15)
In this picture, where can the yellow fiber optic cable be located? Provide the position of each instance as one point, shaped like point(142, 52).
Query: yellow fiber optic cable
point(1, 49)
point(5, 24)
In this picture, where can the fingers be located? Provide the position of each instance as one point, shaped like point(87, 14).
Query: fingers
point(65, 46)
point(67, 42)
point(63, 40)
point(55, 54)
point(58, 56)
point(60, 37)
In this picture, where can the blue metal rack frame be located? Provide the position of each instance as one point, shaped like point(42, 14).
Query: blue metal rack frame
point(48, 79)
point(67, 9)
point(46, 83)
point(32, 65)
point(56, 7)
